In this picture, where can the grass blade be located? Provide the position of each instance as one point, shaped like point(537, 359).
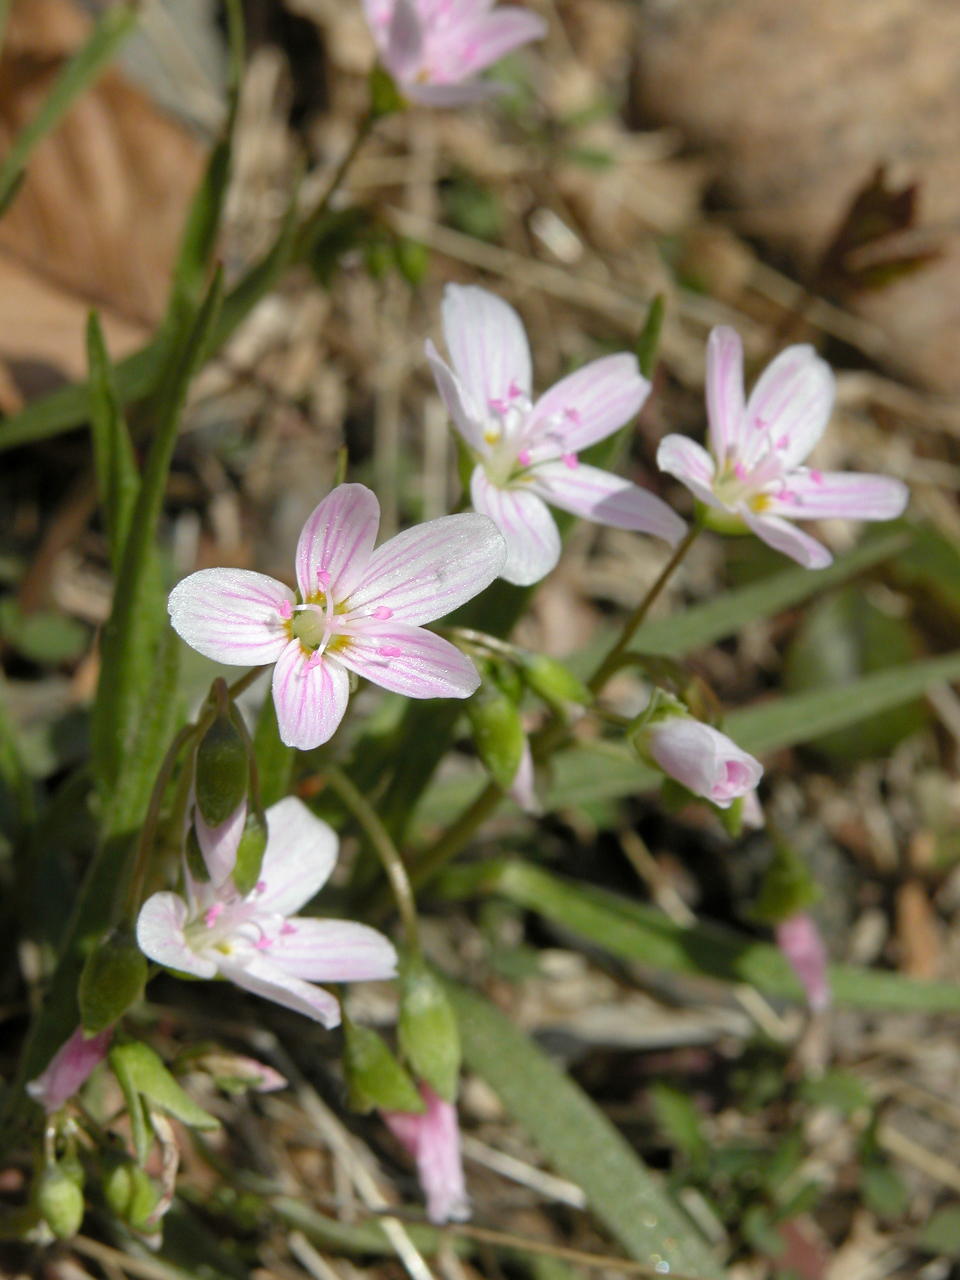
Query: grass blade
point(118, 479)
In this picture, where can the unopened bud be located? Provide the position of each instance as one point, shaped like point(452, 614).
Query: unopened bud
point(222, 771)
point(250, 850)
point(129, 1192)
point(374, 1076)
point(428, 1031)
point(60, 1201)
point(112, 980)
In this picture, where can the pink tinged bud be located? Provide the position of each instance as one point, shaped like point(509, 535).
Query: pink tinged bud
point(571, 460)
point(390, 651)
point(433, 1139)
point(69, 1069)
point(705, 761)
point(799, 939)
point(523, 457)
point(382, 613)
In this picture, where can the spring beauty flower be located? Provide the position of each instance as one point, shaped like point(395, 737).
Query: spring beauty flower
point(435, 49)
point(526, 452)
point(433, 1139)
point(703, 759)
point(256, 941)
point(358, 609)
point(69, 1068)
point(798, 937)
point(753, 468)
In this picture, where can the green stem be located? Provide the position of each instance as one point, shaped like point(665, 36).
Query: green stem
point(311, 223)
point(388, 853)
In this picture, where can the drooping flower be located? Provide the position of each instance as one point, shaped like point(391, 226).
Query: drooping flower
point(69, 1068)
point(435, 49)
point(357, 610)
point(526, 452)
point(798, 937)
point(703, 759)
point(753, 468)
point(255, 940)
point(433, 1139)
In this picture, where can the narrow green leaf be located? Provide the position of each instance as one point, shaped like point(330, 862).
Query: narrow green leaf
point(17, 800)
point(579, 1141)
point(118, 480)
point(115, 24)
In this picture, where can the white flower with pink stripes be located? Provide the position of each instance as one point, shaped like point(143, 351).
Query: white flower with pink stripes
point(435, 49)
point(527, 452)
point(256, 941)
point(357, 609)
point(753, 468)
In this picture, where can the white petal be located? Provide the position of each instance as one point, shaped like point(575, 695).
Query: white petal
point(231, 615)
point(848, 495)
point(607, 499)
point(467, 416)
point(333, 951)
point(160, 935)
point(487, 343)
point(337, 540)
point(786, 537)
point(310, 701)
point(533, 543)
point(724, 391)
point(691, 464)
point(219, 844)
point(262, 977)
point(591, 403)
point(428, 571)
point(300, 855)
point(410, 661)
point(790, 405)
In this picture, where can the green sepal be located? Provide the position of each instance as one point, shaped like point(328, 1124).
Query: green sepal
point(465, 465)
point(129, 1192)
point(113, 979)
point(250, 850)
point(661, 706)
point(787, 887)
point(412, 260)
point(732, 818)
point(144, 1079)
point(554, 682)
point(497, 733)
point(720, 521)
point(427, 1029)
point(385, 98)
point(60, 1201)
point(374, 1076)
point(222, 771)
point(194, 855)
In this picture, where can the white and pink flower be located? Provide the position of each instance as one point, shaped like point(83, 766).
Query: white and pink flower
point(753, 468)
point(255, 941)
point(800, 941)
point(435, 49)
point(433, 1139)
point(526, 452)
point(358, 609)
point(703, 759)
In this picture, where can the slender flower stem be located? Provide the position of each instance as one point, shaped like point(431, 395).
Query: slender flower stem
point(612, 661)
point(388, 853)
point(312, 221)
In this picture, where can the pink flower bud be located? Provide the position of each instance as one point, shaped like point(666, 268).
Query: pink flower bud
point(799, 939)
point(69, 1069)
point(705, 761)
point(433, 1139)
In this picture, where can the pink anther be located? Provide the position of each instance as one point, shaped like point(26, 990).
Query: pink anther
point(572, 414)
point(816, 477)
point(783, 442)
point(740, 471)
point(571, 460)
point(513, 391)
point(523, 457)
point(287, 928)
point(323, 577)
point(285, 610)
point(260, 886)
point(263, 942)
point(213, 914)
point(382, 613)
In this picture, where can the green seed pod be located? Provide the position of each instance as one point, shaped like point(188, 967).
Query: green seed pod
point(497, 733)
point(412, 260)
point(60, 1201)
point(112, 980)
point(222, 771)
point(428, 1031)
point(250, 850)
point(374, 1076)
point(554, 682)
point(129, 1192)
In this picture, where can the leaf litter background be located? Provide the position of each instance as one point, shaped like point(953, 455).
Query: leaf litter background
point(708, 151)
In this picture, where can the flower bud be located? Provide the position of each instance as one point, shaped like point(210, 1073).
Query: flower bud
point(374, 1076)
point(250, 850)
point(497, 733)
point(69, 1069)
point(555, 682)
point(222, 771)
point(428, 1031)
point(702, 759)
point(800, 942)
point(112, 980)
point(60, 1201)
point(432, 1137)
point(129, 1192)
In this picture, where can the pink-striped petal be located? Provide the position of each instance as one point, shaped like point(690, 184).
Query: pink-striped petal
point(467, 417)
point(428, 571)
point(301, 853)
point(310, 700)
point(790, 406)
point(333, 951)
point(411, 661)
point(533, 543)
point(474, 45)
point(607, 499)
point(433, 1139)
point(786, 537)
point(704, 760)
point(160, 935)
point(337, 540)
point(405, 40)
point(590, 404)
point(725, 407)
point(260, 976)
point(232, 615)
point(219, 844)
point(691, 464)
point(487, 344)
point(848, 495)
